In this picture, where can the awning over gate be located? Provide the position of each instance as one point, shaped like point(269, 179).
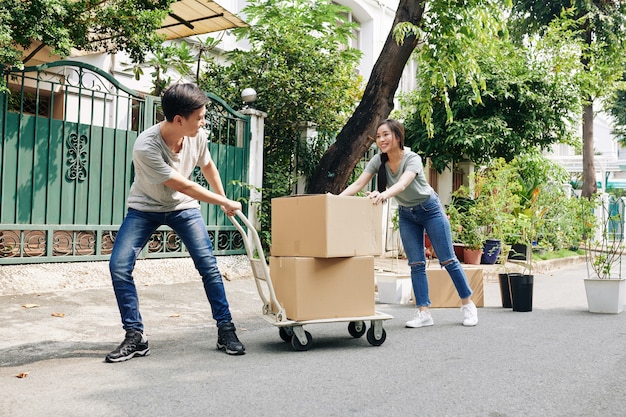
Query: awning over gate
point(187, 18)
point(197, 17)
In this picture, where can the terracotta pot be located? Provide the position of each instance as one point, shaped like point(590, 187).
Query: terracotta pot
point(458, 251)
point(472, 256)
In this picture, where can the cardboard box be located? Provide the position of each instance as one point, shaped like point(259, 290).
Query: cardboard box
point(318, 288)
point(394, 288)
point(326, 226)
point(443, 293)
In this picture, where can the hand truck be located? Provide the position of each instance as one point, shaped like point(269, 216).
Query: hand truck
point(292, 331)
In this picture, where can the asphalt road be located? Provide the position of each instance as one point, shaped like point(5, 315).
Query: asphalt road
point(557, 360)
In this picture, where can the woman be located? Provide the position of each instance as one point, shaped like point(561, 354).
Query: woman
point(401, 175)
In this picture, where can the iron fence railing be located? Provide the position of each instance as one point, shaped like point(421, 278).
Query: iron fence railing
point(67, 130)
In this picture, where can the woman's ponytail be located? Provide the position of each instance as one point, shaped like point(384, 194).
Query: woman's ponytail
point(382, 173)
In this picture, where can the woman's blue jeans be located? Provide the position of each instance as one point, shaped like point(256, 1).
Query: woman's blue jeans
point(134, 234)
point(430, 217)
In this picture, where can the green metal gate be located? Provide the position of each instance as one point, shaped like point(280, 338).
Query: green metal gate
point(67, 132)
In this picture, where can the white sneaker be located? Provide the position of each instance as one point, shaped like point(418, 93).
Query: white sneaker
point(470, 314)
point(421, 319)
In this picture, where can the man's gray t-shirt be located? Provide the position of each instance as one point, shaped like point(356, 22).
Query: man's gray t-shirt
point(418, 190)
point(155, 163)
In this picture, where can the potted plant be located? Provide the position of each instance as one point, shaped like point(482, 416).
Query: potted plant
point(454, 217)
point(472, 237)
point(603, 242)
point(494, 198)
point(498, 205)
point(528, 221)
point(465, 223)
point(496, 190)
point(518, 237)
point(518, 284)
point(521, 287)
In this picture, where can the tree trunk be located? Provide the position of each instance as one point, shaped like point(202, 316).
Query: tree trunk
point(358, 134)
point(589, 171)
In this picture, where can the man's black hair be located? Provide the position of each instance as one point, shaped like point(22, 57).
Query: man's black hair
point(183, 100)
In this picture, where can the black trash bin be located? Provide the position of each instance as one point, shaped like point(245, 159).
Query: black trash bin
point(521, 288)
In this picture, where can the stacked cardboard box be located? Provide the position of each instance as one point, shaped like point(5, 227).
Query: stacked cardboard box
point(443, 293)
point(323, 248)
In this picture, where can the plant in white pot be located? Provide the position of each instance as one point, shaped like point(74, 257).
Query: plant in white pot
point(603, 241)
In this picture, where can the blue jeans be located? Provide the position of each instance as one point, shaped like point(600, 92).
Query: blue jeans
point(430, 217)
point(134, 234)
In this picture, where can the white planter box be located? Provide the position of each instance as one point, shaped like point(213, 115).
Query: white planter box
point(394, 288)
point(605, 295)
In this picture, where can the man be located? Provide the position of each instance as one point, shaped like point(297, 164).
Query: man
point(164, 157)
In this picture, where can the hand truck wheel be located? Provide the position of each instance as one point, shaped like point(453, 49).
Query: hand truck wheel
point(371, 337)
point(297, 345)
point(356, 329)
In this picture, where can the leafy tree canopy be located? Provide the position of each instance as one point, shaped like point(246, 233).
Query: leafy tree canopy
point(440, 32)
point(454, 38)
point(528, 100)
point(297, 63)
point(87, 25)
point(617, 108)
point(600, 29)
point(304, 76)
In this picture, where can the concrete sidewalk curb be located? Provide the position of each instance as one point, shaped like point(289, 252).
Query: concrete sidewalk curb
point(41, 278)
point(490, 272)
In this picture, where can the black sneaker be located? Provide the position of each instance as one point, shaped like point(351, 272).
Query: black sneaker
point(227, 340)
point(135, 344)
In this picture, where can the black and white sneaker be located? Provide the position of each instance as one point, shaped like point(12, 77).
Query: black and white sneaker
point(135, 344)
point(227, 340)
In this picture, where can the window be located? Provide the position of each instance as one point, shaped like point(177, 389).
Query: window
point(30, 104)
point(356, 32)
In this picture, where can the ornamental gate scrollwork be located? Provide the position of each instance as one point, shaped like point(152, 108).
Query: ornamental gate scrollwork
point(76, 157)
